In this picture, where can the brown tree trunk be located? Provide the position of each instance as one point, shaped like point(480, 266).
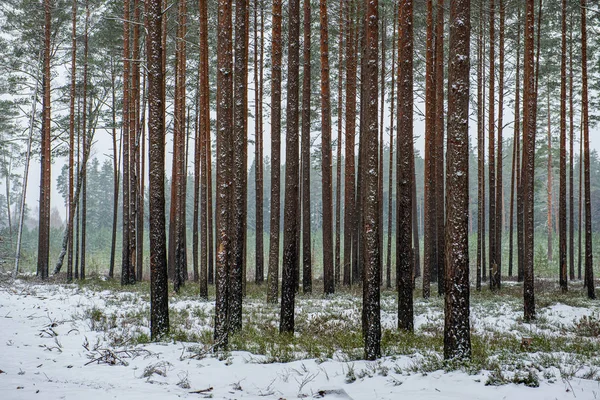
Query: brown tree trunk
point(290, 218)
point(45, 179)
point(116, 176)
point(206, 244)
point(589, 271)
point(515, 175)
point(439, 146)
point(370, 227)
point(529, 127)
point(562, 206)
point(159, 300)
point(276, 47)
point(388, 269)
point(338, 181)
point(382, 39)
point(571, 157)
point(499, 156)
point(457, 340)
point(240, 134)
point(84, 130)
point(224, 171)
point(126, 262)
point(549, 184)
point(350, 125)
point(404, 164)
point(328, 266)
point(258, 147)
point(72, 140)
point(480, 153)
point(494, 282)
point(306, 92)
point(429, 267)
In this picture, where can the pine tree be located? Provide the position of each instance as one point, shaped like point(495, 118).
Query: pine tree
point(404, 178)
point(328, 260)
point(276, 47)
point(290, 216)
point(370, 227)
point(457, 341)
point(350, 223)
point(527, 186)
point(589, 271)
point(224, 171)
point(562, 232)
point(306, 94)
point(429, 267)
point(44, 215)
point(159, 297)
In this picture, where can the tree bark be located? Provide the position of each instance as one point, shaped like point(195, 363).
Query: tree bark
point(494, 282)
point(405, 160)
point(370, 227)
point(45, 179)
point(306, 92)
point(290, 220)
point(457, 340)
point(388, 270)
point(562, 206)
point(258, 147)
point(529, 128)
point(439, 147)
point(276, 47)
point(350, 126)
point(429, 270)
point(328, 266)
point(589, 271)
point(224, 171)
point(240, 137)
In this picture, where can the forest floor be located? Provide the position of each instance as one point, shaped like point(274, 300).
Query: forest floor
point(91, 341)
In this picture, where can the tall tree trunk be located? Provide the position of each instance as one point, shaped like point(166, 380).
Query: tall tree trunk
point(457, 340)
point(306, 92)
point(499, 156)
point(159, 296)
point(388, 269)
point(516, 170)
point(45, 179)
point(138, 92)
point(383, 28)
point(350, 126)
point(429, 267)
point(338, 181)
point(562, 231)
point(240, 134)
point(550, 184)
point(276, 47)
point(328, 267)
point(205, 158)
point(71, 214)
point(126, 262)
point(494, 282)
point(258, 146)
point(224, 171)
point(529, 128)
point(85, 143)
point(480, 153)
point(370, 227)
point(571, 157)
point(404, 164)
point(589, 271)
point(290, 220)
point(439, 146)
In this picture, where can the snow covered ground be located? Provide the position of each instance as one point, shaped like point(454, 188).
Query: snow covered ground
point(62, 341)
